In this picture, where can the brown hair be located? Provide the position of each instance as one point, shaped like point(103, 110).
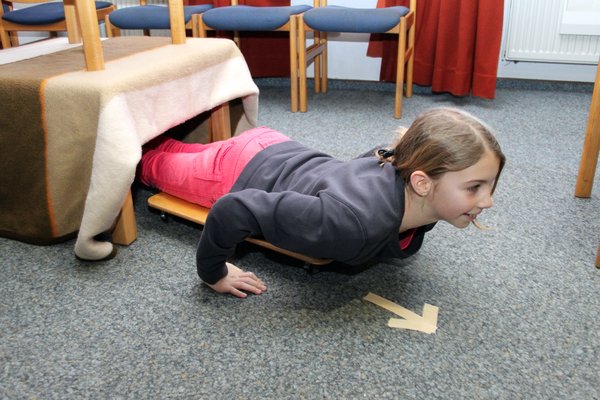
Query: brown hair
point(442, 140)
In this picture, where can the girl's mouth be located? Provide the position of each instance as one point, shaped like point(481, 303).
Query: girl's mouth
point(471, 217)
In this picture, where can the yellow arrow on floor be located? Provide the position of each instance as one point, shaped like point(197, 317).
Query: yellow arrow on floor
point(426, 323)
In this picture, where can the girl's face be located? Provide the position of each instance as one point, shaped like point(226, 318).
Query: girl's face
point(458, 197)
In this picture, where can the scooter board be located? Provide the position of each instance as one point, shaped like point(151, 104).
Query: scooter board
point(198, 214)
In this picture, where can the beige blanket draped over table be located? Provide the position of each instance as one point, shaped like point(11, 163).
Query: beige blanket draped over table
point(70, 139)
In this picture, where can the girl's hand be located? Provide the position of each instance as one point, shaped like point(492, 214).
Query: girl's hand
point(237, 280)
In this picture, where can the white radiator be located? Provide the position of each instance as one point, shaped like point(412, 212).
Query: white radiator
point(129, 3)
point(534, 34)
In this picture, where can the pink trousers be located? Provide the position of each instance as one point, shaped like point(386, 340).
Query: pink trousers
point(202, 173)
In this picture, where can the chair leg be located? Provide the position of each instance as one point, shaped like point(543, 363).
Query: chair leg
point(302, 63)
point(317, 60)
point(111, 30)
point(409, 73)
point(591, 145)
point(201, 27)
point(324, 62)
point(320, 62)
point(410, 61)
point(90, 33)
point(195, 25)
point(14, 39)
point(220, 123)
point(73, 29)
point(400, 70)
point(4, 38)
point(293, 64)
point(125, 231)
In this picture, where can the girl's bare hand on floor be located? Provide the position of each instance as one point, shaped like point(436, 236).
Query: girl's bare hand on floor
point(238, 281)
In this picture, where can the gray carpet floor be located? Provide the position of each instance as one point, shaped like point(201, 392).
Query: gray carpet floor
point(519, 305)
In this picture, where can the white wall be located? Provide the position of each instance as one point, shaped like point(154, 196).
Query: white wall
point(346, 51)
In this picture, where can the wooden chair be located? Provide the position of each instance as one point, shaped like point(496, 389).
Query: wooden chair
point(147, 17)
point(125, 228)
point(399, 21)
point(591, 147)
point(238, 18)
point(45, 16)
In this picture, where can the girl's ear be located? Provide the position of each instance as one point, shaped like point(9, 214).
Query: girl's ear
point(421, 183)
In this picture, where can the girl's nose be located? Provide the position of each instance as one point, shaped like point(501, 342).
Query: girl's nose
point(486, 201)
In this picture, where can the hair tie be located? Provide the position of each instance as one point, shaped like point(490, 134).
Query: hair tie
point(385, 153)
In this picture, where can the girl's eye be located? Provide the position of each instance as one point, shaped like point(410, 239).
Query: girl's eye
point(473, 188)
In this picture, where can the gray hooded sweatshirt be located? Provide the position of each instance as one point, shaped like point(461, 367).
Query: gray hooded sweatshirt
point(308, 202)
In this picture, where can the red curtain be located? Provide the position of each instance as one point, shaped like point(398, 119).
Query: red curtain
point(267, 53)
point(457, 45)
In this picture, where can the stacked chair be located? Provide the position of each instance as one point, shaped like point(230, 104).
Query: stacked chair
point(45, 16)
point(239, 18)
point(399, 21)
point(320, 19)
point(147, 17)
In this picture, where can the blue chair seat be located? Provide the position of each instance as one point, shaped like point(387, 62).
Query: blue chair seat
point(248, 18)
point(151, 16)
point(354, 20)
point(43, 14)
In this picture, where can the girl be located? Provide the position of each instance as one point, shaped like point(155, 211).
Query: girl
point(444, 167)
